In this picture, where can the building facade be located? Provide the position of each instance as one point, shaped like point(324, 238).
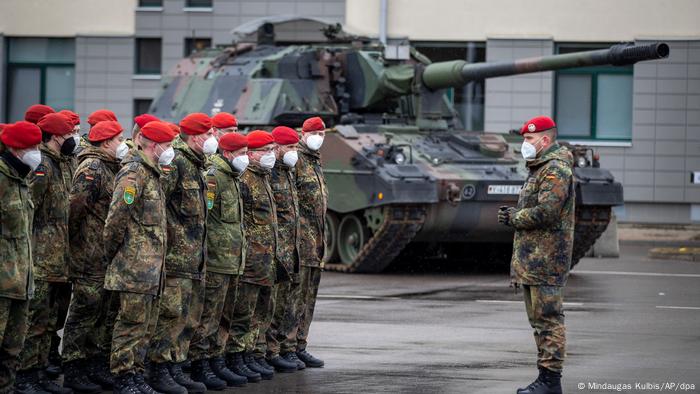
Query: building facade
point(643, 119)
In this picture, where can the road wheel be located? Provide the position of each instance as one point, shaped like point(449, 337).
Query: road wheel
point(331, 254)
point(352, 237)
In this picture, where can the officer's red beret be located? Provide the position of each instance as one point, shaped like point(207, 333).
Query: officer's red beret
point(104, 130)
point(143, 119)
point(313, 124)
point(175, 128)
point(196, 123)
point(259, 138)
point(232, 141)
point(224, 120)
point(36, 112)
point(21, 135)
point(158, 132)
point(537, 124)
point(284, 135)
point(71, 115)
point(56, 123)
point(101, 115)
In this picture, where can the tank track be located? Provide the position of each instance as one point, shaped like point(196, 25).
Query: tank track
point(401, 223)
point(591, 221)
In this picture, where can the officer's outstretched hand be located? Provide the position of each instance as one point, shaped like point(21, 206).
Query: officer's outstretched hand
point(504, 214)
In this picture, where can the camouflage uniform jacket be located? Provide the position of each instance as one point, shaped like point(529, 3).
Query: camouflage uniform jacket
point(313, 201)
point(544, 221)
point(90, 196)
point(16, 213)
point(136, 229)
point(226, 244)
point(50, 184)
point(184, 189)
point(260, 222)
point(288, 229)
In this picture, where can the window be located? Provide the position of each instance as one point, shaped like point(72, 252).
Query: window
point(468, 99)
point(198, 3)
point(196, 44)
point(148, 58)
point(151, 3)
point(593, 102)
point(141, 106)
point(39, 70)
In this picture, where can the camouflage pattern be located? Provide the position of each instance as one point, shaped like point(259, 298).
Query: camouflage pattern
point(262, 318)
point(260, 222)
point(217, 347)
point(313, 202)
point(13, 328)
point(283, 185)
point(87, 322)
point(240, 334)
point(285, 319)
point(135, 233)
point(546, 316)
point(16, 214)
point(310, 280)
point(544, 221)
point(203, 344)
point(133, 328)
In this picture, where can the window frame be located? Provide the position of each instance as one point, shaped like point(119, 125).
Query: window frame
point(137, 70)
point(198, 8)
point(193, 40)
point(141, 7)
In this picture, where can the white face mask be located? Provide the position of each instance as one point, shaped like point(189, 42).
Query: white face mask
point(268, 160)
point(76, 138)
point(210, 146)
point(314, 142)
point(31, 158)
point(528, 150)
point(166, 157)
point(240, 163)
point(122, 150)
point(290, 158)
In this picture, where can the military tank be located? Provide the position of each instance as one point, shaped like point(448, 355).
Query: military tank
point(399, 168)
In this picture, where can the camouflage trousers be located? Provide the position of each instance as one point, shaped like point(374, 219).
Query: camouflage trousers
point(179, 314)
point(262, 319)
point(284, 320)
point(242, 331)
point(136, 321)
point(47, 313)
point(218, 345)
point(91, 315)
point(205, 341)
point(13, 329)
point(546, 316)
point(310, 278)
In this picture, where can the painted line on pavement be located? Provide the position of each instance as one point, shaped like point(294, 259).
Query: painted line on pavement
point(356, 297)
point(520, 302)
point(622, 273)
point(692, 308)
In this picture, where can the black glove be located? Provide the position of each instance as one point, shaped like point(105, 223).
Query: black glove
point(504, 215)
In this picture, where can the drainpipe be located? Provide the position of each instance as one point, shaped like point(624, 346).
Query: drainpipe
point(382, 21)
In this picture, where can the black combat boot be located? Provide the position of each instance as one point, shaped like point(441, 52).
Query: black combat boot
point(142, 386)
point(160, 380)
point(549, 382)
point(263, 363)
point(255, 367)
point(236, 364)
point(292, 358)
point(54, 369)
point(185, 381)
point(52, 387)
point(124, 384)
point(98, 370)
point(309, 360)
point(76, 378)
point(218, 366)
point(282, 365)
point(538, 379)
point(28, 383)
point(202, 373)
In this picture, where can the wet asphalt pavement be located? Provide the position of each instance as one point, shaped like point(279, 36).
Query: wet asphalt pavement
point(451, 329)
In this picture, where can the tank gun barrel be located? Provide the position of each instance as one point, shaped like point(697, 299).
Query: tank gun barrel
point(458, 72)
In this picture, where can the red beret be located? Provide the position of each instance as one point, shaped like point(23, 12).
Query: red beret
point(101, 115)
point(259, 138)
point(143, 119)
point(175, 128)
point(71, 115)
point(56, 123)
point(537, 124)
point(196, 123)
point(36, 112)
point(313, 124)
point(104, 130)
point(232, 141)
point(21, 135)
point(284, 135)
point(224, 120)
point(158, 132)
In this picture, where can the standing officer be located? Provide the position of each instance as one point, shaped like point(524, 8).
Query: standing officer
point(282, 315)
point(134, 239)
point(225, 260)
point(313, 200)
point(90, 197)
point(544, 234)
point(50, 185)
point(183, 299)
point(21, 155)
point(257, 283)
